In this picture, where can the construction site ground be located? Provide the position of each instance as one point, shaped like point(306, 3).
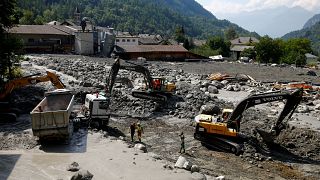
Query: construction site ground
point(108, 153)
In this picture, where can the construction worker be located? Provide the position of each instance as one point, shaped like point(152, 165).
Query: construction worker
point(182, 148)
point(132, 130)
point(140, 131)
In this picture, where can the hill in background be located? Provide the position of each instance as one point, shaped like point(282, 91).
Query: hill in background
point(135, 16)
point(310, 31)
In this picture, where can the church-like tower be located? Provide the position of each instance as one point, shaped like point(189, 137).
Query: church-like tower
point(77, 16)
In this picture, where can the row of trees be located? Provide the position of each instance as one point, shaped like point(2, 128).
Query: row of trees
point(9, 46)
point(292, 51)
point(268, 50)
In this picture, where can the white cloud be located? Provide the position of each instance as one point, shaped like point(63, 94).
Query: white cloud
point(236, 6)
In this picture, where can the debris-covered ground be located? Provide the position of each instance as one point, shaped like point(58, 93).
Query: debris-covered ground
point(294, 156)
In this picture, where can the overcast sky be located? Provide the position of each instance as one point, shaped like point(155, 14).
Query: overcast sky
point(222, 7)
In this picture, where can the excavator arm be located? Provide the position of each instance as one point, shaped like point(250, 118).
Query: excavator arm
point(117, 65)
point(32, 79)
point(131, 67)
point(292, 101)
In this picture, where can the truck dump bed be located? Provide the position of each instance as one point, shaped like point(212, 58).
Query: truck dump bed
point(50, 118)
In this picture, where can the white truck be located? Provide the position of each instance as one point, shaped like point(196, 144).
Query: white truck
point(50, 118)
point(95, 110)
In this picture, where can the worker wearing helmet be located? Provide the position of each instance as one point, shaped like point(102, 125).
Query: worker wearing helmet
point(140, 131)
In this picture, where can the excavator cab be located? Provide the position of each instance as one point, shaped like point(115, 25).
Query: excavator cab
point(162, 85)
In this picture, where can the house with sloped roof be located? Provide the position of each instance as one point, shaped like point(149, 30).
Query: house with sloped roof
point(155, 52)
point(240, 44)
point(44, 38)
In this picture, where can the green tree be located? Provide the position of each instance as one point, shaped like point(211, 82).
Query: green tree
point(230, 33)
point(218, 44)
point(9, 16)
point(180, 34)
point(249, 52)
point(268, 50)
point(39, 20)
point(186, 44)
point(27, 18)
point(295, 50)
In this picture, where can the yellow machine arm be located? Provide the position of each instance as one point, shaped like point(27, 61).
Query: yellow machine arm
point(33, 79)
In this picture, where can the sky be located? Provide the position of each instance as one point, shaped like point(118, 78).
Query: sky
point(221, 8)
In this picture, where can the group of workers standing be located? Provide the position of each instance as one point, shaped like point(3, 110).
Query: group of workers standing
point(139, 128)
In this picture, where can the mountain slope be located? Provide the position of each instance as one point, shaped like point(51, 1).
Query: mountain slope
point(188, 7)
point(312, 21)
point(312, 33)
point(273, 22)
point(136, 16)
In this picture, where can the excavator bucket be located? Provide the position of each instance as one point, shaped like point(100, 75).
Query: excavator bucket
point(267, 136)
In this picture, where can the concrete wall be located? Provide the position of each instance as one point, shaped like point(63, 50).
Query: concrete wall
point(84, 43)
point(108, 44)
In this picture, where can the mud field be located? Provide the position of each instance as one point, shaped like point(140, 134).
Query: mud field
point(295, 154)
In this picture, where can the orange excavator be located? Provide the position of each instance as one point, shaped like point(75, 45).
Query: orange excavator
point(10, 114)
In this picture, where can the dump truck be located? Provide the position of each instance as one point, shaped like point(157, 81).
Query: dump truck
point(51, 117)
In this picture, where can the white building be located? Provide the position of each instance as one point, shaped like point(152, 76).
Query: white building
point(126, 40)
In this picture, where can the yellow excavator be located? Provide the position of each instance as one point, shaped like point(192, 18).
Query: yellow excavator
point(224, 133)
point(11, 114)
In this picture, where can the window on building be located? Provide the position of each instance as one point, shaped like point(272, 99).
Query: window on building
point(123, 40)
point(133, 40)
point(31, 40)
point(117, 40)
point(128, 40)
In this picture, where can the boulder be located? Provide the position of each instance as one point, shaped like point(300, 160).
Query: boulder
point(82, 175)
point(217, 84)
point(189, 96)
point(303, 109)
point(87, 84)
point(205, 84)
point(224, 82)
point(220, 178)
point(180, 162)
point(195, 168)
point(209, 109)
point(52, 66)
point(213, 89)
point(187, 165)
point(73, 167)
point(141, 147)
point(311, 73)
point(229, 88)
point(198, 176)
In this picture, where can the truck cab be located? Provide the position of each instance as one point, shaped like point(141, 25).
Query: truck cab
point(96, 106)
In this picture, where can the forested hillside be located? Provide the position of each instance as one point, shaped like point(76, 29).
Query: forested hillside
point(136, 16)
point(312, 33)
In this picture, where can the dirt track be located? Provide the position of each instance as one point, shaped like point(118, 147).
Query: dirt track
point(301, 146)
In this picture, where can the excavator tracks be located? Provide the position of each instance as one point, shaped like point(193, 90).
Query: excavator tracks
point(150, 96)
point(220, 143)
